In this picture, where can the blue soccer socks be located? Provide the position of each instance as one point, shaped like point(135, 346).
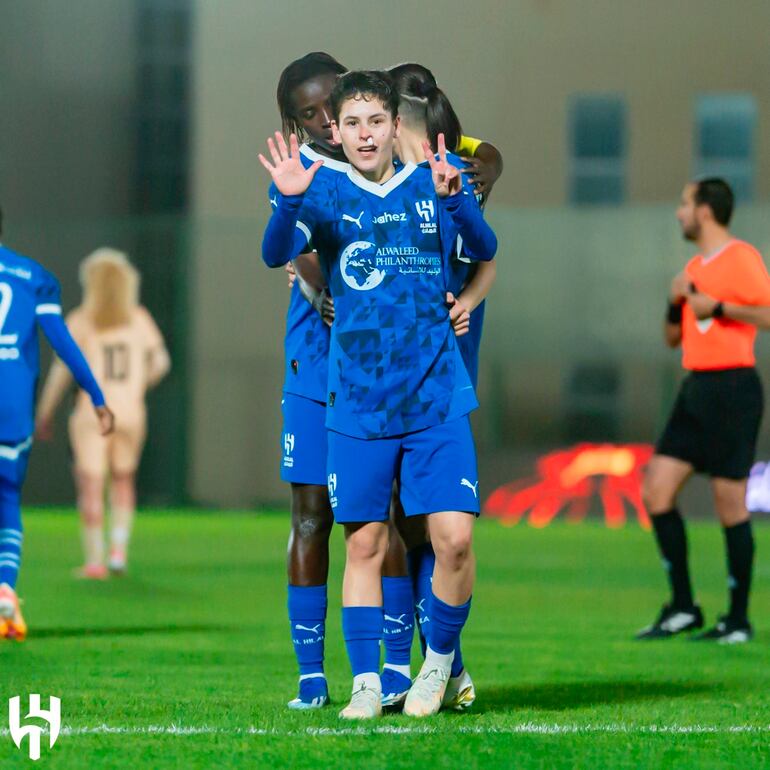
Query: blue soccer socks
point(307, 615)
point(446, 623)
point(10, 534)
point(362, 629)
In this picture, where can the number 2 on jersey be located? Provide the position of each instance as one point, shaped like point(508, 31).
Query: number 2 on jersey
point(6, 297)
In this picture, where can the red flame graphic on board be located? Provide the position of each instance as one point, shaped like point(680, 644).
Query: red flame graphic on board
point(570, 478)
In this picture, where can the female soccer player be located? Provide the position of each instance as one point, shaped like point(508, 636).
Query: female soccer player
point(398, 387)
point(303, 102)
point(425, 112)
point(29, 299)
point(124, 346)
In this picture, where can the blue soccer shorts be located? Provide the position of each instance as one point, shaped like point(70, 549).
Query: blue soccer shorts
point(14, 459)
point(303, 440)
point(436, 468)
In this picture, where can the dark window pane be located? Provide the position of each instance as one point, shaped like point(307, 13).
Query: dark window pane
point(598, 127)
point(725, 126)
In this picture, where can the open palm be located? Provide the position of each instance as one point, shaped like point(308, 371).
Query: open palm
point(289, 175)
point(446, 177)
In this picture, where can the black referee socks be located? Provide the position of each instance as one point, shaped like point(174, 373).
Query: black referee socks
point(672, 542)
point(739, 541)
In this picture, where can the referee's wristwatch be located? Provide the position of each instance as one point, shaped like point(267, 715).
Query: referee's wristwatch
point(718, 311)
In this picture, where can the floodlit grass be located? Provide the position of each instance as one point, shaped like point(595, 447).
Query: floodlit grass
point(187, 662)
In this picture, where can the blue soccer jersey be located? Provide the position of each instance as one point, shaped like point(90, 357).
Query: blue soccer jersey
point(27, 291)
point(394, 363)
point(463, 269)
point(30, 297)
point(306, 344)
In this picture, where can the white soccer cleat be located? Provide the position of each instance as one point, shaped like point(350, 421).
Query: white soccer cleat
point(427, 691)
point(365, 703)
point(460, 692)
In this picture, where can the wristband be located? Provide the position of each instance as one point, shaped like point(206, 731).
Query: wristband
point(674, 315)
point(718, 311)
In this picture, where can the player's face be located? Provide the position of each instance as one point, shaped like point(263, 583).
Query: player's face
point(687, 214)
point(367, 131)
point(311, 108)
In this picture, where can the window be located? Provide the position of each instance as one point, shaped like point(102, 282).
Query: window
point(725, 129)
point(597, 149)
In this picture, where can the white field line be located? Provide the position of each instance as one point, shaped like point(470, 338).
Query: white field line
point(525, 728)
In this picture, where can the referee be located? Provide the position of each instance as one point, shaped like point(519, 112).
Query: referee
point(715, 307)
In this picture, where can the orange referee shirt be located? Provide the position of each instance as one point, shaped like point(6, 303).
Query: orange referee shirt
point(736, 274)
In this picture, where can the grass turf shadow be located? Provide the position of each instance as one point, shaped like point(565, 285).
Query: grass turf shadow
point(563, 696)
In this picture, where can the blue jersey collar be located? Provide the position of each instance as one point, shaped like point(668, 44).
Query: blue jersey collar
point(382, 190)
point(335, 165)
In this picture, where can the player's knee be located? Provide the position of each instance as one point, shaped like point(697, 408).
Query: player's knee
point(454, 549)
point(730, 505)
point(92, 513)
point(311, 526)
point(366, 545)
point(657, 498)
point(123, 478)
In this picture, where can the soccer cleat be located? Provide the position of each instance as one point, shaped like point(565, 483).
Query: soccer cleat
point(117, 562)
point(14, 626)
point(460, 692)
point(365, 703)
point(427, 691)
point(313, 694)
point(727, 631)
point(92, 572)
point(395, 687)
point(671, 621)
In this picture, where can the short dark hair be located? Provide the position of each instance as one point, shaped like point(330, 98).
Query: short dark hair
point(715, 193)
point(309, 66)
point(369, 84)
point(415, 80)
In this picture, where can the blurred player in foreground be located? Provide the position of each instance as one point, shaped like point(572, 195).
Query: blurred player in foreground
point(399, 395)
point(125, 348)
point(29, 298)
point(715, 307)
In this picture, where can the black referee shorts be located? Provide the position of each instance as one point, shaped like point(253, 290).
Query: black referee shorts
point(715, 422)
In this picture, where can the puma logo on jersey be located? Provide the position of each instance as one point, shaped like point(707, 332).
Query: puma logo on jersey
point(355, 220)
point(398, 620)
point(274, 202)
point(472, 487)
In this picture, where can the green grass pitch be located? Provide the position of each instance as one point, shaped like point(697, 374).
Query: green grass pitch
point(187, 662)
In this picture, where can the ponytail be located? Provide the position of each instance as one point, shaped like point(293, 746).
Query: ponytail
point(442, 119)
point(417, 81)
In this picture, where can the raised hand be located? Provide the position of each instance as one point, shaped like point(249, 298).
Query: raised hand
point(446, 177)
point(289, 175)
